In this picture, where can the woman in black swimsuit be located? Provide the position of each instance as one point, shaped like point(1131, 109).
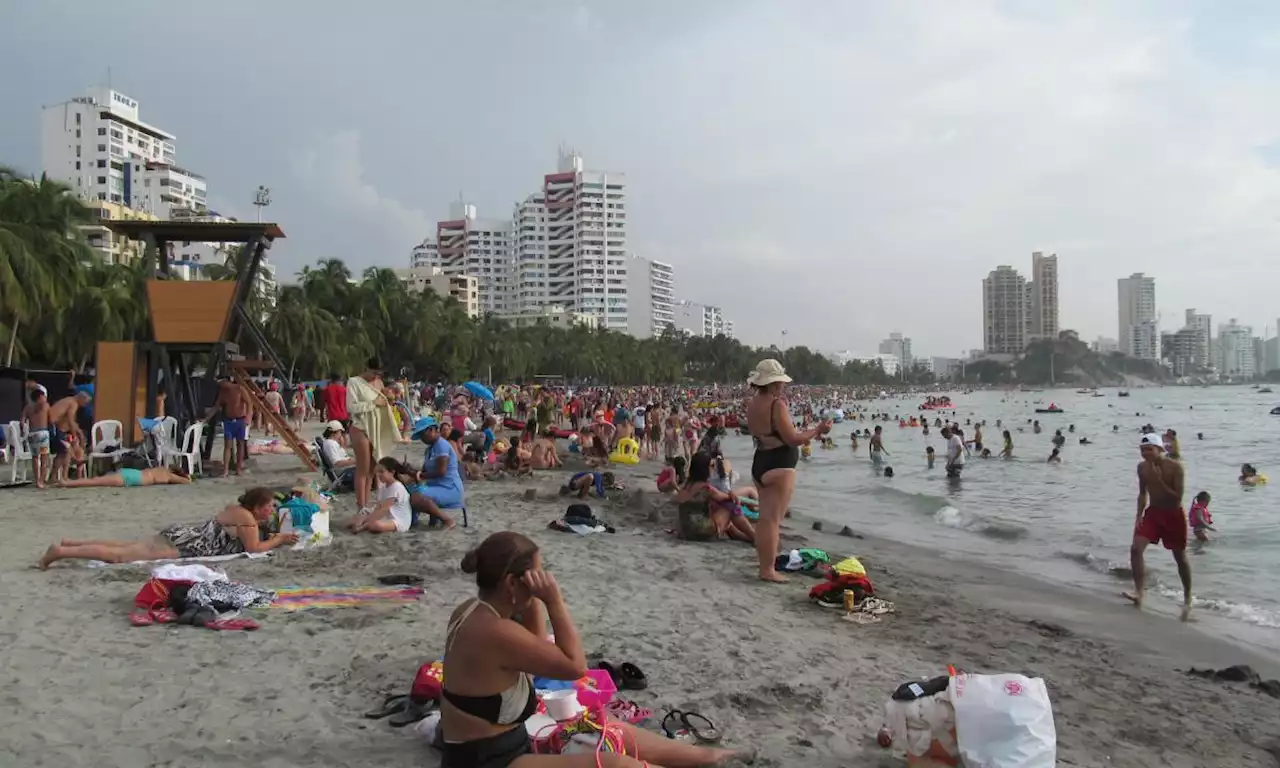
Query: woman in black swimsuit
point(777, 451)
point(491, 655)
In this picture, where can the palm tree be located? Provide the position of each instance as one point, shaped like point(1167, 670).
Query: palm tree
point(42, 249)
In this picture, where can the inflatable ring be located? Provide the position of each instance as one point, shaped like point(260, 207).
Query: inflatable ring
point(627, 452)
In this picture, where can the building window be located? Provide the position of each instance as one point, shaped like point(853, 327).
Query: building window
point(77, 118)
point(101, 131)
point(102, 179)
point(102, 147)
point(102, 163)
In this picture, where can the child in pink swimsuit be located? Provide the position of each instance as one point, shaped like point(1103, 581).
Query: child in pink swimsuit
point(1199, 518)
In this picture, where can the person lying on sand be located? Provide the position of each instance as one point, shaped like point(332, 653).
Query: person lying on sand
point(132, 478)
point(497, 642)
point(234, 530)
point(582, 483)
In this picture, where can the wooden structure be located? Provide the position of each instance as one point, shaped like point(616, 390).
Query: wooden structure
point(120, 389)
point(200, 322)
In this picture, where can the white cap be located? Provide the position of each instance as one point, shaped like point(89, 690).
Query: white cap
point(335, 426)
point(1151, 439)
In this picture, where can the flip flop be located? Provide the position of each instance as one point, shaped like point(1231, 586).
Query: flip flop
point(390, 705)
point(632, 677)
point(680, 734)
point(163, 616)
point(412, 713)
point(232, 625)
point(707, 734)
point(141, 619)
point(614, 674)
point(407, 579)
point(628, 711)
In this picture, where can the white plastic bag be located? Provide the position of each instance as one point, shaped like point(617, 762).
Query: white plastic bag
point(926, 728)
point(1003, 721)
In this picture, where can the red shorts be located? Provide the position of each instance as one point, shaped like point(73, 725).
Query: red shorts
point(1167, 526)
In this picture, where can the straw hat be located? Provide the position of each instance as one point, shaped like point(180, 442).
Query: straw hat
point(768, 372)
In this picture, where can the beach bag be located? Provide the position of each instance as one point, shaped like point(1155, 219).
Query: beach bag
point(1003, 721)
point(428, 684)
point(156, 593)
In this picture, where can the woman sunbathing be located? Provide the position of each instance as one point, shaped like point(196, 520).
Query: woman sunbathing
point(496, 643)
point(131, 478)
point(232, 531)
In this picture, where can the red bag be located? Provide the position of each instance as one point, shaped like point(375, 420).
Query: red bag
point(155, 593)
point(428, 683)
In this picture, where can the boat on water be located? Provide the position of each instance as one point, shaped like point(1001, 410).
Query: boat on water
point(942, 403)
point(1264, 391)
point(1122, 393)
point(1275, 411)
point(1053, 408)
point(1098, 394)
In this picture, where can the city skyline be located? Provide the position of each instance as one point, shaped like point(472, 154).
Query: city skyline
point(964, 162)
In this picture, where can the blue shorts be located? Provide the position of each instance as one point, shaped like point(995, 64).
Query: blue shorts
point(444, 498)
point(59, 440)
point(38, 441)
point(132, 477)
point(235, 429)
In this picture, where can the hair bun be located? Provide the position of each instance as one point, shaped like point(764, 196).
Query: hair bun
point(470, 562)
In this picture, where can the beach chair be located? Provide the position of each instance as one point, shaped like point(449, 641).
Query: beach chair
point(167, 441)
point(19, 452)
point(335, 476)
point(189, 452)
point(105, 442)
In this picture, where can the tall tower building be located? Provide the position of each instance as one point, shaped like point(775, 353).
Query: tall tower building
point(900, 347)
point(467, 245)
point(1004, 312)
point(1042, 289)
point(1203, 327)
point(586, 215)
point(1237, 348)
point(650, 297)
point(1138, 328)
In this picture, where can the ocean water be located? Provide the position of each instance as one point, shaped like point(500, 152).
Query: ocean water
point(1073, 522)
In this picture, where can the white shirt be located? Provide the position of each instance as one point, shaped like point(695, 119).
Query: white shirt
point(955, 450)
point(401, 512)
point(333, 451)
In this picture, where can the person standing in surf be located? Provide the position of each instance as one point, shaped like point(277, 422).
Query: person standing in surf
point(876, 449)
point(773, 469)
point(1160, 519)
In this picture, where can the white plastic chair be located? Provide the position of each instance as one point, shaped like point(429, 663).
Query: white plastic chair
point(166, 440)
point(105, 435)
point(19, 452)
point(189, 452)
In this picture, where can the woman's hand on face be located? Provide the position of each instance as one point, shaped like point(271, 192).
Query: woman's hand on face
point(543, 586)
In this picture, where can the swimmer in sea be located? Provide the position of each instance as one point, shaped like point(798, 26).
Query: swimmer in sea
point(1160, 519)
point(877, 449)
point(1007, 453)
point(1058, 439)
point(1199, 518)
point(929, 457)
point(853, 438)
point(1054, 458)
point(1035, 427)
point(1249, 475)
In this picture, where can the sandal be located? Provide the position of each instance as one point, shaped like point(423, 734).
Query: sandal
point(707, 734)
point(680, 734)
point(407, 579)
point(412, 713)
point(633, 678)
point(231, 625)
point(628, 711)
point(390, 706)
point(141, 619)
point(163, 616)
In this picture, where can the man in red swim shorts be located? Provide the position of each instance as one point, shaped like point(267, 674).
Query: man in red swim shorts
point(1161, 518)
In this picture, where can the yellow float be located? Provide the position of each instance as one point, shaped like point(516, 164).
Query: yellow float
point(627, 452)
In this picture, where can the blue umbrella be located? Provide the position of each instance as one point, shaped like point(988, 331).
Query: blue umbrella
point(479, 390)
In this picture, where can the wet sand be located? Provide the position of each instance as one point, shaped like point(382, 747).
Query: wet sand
point(84, 688)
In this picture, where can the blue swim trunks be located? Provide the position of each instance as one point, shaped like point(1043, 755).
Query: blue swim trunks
point(38, 441)
point(444, 498)
point(235, 429)
point(132, 477)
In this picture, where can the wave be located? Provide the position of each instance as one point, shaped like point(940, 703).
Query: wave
point(1243, 612)
point(1099, 564)
point(992, 529)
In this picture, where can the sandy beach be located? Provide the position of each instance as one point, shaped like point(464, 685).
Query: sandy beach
point(84, 688)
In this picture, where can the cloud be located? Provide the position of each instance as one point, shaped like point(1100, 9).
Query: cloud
point(332, 170)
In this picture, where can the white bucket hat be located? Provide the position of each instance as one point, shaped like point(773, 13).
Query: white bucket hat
point(768, 372)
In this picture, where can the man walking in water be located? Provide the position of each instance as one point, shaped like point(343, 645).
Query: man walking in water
point(877, 449)
point(1160, 518)
point(955, 451)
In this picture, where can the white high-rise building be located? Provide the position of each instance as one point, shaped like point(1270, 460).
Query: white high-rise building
point(1203, 327)
point(467, 245)
point(898, 346)
point(650, 297)
point(97, 144)
point(425, 254)
point(1042, 307)
point(1004, 312)
point(694, 319)
point(1236, 347)
point(1139, 330)
point(586, 214)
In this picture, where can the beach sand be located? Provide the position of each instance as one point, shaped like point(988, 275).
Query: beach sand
point(82, 687)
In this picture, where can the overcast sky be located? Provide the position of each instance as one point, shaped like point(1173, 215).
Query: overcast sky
point(840, 169)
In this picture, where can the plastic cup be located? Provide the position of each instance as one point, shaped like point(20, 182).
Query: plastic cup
point(562, 705)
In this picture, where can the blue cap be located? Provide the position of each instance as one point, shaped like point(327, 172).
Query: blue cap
point(422, 425)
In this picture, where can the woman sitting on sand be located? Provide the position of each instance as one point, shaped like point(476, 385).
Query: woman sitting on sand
point(672, 476)
point(234, 530)
point(720, 507)
point(132, 478)
point(496, 643)
point(543, 455)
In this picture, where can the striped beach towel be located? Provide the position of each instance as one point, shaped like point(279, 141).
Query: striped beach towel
point(299, 598)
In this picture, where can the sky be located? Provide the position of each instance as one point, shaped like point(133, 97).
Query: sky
point(839, 169)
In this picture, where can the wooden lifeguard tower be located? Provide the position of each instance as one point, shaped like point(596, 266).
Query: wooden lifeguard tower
point(193, 323)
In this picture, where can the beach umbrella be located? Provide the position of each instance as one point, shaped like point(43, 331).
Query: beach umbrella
point(479, 390)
